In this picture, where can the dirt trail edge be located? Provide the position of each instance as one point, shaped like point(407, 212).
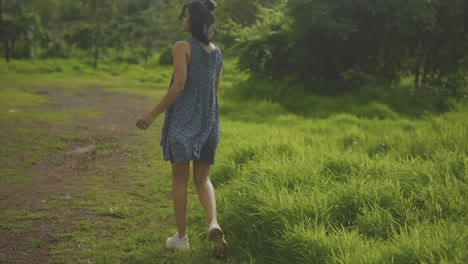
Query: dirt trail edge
point(58, 174)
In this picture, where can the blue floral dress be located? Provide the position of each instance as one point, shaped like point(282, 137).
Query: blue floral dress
point(191, 129)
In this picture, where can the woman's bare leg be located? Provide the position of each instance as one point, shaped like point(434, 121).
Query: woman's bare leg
point(206, 193)
point(180, 176)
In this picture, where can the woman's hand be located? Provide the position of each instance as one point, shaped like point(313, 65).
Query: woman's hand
point(144, 122)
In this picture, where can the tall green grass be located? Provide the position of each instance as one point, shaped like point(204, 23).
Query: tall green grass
point(367, 178)
point(371, 101)
point(346, 185)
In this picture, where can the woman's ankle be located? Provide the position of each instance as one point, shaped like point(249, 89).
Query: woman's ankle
point(181, 236)
point(213, 224)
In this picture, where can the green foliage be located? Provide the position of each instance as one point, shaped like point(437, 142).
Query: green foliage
point(80, 36)
point(262, 47)
point(339, 46)
point(56, 49)
point(374, 100)
point(165, 58)
point(375, 110)
point(354, 79)
point(52, 28)
point(241, 11)
point(20, 29)
point(238, 13)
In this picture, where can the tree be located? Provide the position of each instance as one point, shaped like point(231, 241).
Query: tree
point(170, 24)
point(20, 28)
point(263, 46)
point(142, 27)
point(344, 42)
point(240, 13)
point(439, 47)
point(3, 36)
point(101, 13)
point(151, 18)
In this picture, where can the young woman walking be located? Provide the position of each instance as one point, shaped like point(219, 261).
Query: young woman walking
point(191, 129)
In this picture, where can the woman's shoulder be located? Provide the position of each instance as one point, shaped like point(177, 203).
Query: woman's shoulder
point(182, 44)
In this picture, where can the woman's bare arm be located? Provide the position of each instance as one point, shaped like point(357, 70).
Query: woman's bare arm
point(218, 80)
point(181, 55)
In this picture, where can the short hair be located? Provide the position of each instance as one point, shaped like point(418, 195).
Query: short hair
point(201, 19)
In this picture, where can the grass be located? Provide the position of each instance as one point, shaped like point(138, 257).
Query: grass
point(344, 183)
point(22, 148)
point(24, 142)
point(346, 190)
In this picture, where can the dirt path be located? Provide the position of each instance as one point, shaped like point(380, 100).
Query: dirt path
point(59, 174)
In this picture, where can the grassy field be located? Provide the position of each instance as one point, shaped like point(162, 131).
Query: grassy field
point(330, 184)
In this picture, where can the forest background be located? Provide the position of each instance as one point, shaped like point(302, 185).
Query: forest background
point(331, 47)
point(345, 131)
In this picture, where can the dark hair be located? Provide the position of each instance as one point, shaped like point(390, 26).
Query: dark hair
point(201, 19)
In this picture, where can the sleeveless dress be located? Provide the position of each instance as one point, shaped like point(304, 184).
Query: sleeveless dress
point(191, 129)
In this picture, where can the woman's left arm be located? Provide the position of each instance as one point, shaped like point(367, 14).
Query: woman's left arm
point(180, 57)
point(218, 79)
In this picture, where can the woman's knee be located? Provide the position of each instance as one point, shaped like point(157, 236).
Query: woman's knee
point(180, 173)
point(201, 172)
point(180, 179)
point(200, 180)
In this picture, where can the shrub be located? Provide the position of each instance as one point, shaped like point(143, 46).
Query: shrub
point(56, 49)
point(165, 59)
point(375, 111)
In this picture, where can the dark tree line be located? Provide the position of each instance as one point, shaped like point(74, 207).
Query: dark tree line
point(55, 28)
point(19, 28)
point(98, 28)
point(342, 44)
point(332, 46)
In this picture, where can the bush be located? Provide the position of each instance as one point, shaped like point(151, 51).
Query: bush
point(353, 79)
point(56, 49)
point(165, 59)
point(375, 110)
point(252, 111)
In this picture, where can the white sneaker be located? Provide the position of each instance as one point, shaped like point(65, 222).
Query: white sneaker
point(218, 244)
point(175, 242)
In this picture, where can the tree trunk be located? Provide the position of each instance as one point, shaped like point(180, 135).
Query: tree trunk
point(119, 49)
point(148, 48)
point(425, 74)
point(421, 88)
point(417, 73)
point(96, 56)
point(416, 81)
point(97, 43)
point(1, 22)
point(3, 34)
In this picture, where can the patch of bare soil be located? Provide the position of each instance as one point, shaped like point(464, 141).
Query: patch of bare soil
point(58, 174)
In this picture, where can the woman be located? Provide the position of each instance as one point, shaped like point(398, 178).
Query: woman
point(191, 128)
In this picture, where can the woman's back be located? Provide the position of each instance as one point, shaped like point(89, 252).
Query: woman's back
point(191, 126)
